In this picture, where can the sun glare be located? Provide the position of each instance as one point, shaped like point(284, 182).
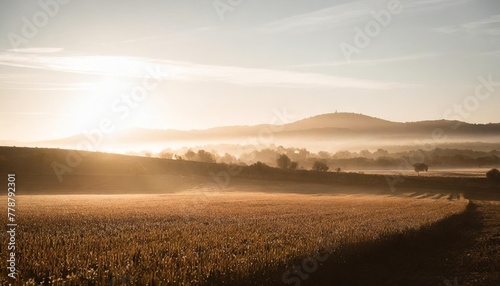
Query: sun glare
point(107, 65)
point(97, 101)
point(103, 92)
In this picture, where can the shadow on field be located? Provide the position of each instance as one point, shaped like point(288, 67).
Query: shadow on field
point(421, 257)
point(482, 196)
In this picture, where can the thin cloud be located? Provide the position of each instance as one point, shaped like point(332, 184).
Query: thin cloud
point(432, 4)
point(266, 77)
point(173, 70)
point(488, 26)
point(495, 19)
point(320, 19)
point(369, 61)
point(36, 50)
point(344, 15)
point(43, 86)
point(492, 53)
point(35, 113)
point(151, 38)
point(95, 65)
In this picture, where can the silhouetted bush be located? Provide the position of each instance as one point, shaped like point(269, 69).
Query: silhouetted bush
point(320, 166)
point(493, 175)
point(421, 167)
point(293, 165)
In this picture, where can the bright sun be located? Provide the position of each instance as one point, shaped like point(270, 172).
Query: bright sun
point(108, 87)
point(97, 101)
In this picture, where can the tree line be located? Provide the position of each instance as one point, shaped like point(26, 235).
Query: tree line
point(301, 158)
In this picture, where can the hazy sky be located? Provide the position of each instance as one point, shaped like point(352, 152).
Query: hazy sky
point(64, 67)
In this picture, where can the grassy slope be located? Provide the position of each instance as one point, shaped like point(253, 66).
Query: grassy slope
point(109, 173)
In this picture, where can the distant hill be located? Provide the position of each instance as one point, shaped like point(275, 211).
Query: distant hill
point(364, 123)
point(351, 121)
point(325, 131)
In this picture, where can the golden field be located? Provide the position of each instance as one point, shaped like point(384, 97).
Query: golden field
point(200, 238)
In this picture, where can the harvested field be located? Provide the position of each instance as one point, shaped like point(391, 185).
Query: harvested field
point(200, 239)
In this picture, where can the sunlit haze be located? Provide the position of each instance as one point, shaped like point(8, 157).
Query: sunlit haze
point(191, 65)
point(250, 142)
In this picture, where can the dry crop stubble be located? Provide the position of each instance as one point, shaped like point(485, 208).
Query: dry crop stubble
point(144, 238)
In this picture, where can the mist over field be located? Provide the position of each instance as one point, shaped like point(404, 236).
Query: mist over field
point(329, 132)
point(234, 142)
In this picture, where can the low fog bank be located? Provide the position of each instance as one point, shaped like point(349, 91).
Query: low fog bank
point(443, 156)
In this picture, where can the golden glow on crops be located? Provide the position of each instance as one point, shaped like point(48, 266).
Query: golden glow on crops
point(181, 238)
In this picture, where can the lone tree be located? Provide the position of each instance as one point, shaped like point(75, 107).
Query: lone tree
point(293, 165)
point(320, 166)
point(493, 175)
point(283, 161)
point(421, 167)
